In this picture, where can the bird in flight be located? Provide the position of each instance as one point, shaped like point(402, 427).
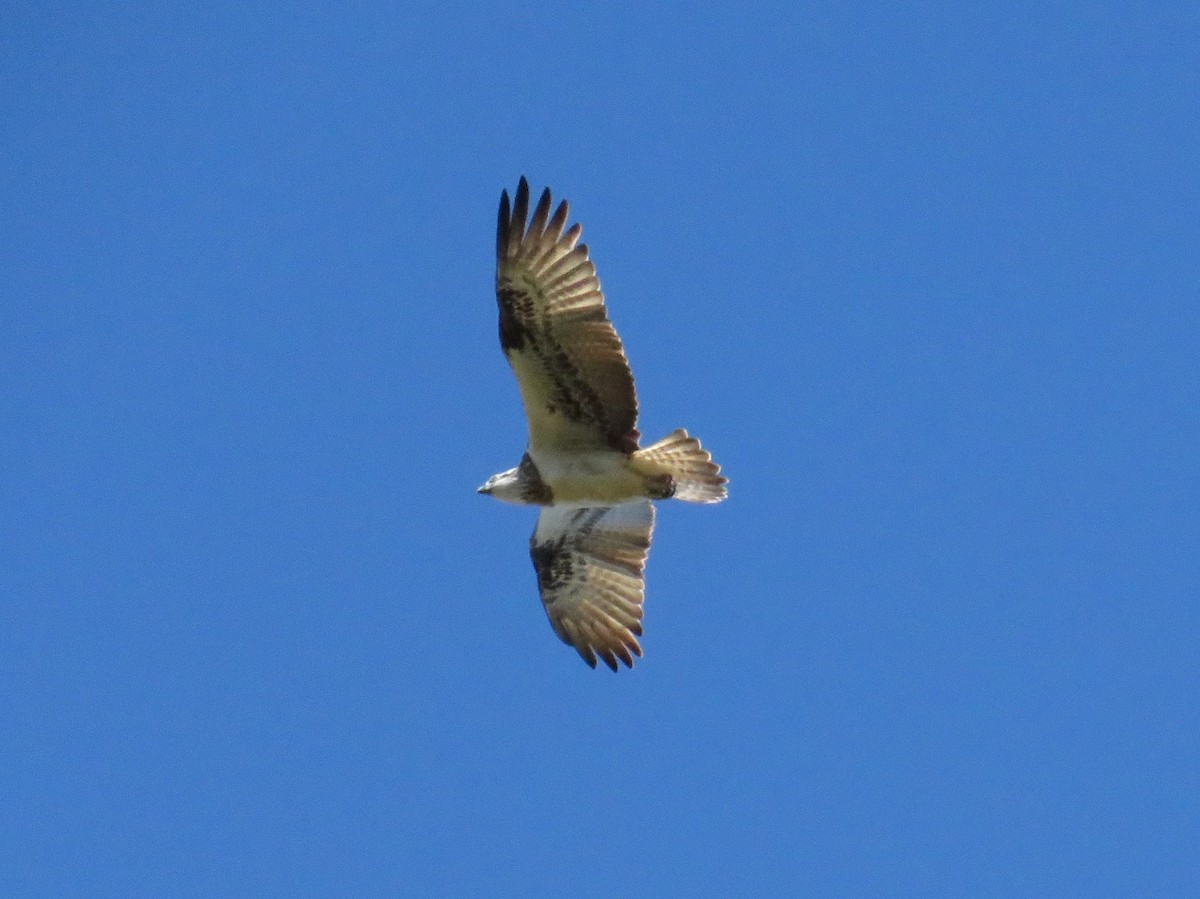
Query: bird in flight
point(583, 465)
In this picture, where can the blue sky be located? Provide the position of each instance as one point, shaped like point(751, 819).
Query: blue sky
point(923, 277)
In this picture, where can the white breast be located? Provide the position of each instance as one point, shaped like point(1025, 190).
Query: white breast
point(599, 476)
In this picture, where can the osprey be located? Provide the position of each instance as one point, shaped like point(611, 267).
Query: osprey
point(583, 465)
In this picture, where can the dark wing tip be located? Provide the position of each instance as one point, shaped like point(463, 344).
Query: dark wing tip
point(540, 215)
point(521, 205)
point(502, 225)
point(513, 213)
point(559, 221)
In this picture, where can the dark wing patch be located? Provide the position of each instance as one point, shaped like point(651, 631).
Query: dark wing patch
point(535, 490)
point(574, 378)
point(590, 564)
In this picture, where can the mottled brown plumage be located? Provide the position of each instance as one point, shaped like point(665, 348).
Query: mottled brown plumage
point(574, 377)
point(583, 465)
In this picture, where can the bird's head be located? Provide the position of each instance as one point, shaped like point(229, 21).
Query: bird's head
point(505, 486)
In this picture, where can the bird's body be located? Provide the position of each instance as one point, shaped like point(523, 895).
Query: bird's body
point(583, 464)
point(593, 477)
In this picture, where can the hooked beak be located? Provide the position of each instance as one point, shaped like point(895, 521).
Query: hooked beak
point(484, 489)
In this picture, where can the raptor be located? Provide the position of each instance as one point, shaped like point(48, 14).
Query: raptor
point(583, 466)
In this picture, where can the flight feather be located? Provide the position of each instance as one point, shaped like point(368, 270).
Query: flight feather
point(590, 564)
point(570, 366)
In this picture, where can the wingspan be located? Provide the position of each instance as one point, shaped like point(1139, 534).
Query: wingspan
point(590, 564)
point(574, 378)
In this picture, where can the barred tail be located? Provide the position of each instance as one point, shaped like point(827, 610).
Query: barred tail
point(696, 477)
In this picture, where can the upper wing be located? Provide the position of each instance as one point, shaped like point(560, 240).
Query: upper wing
point(589, 564)
point(572, 371)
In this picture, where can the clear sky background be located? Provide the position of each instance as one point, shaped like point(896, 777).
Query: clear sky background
point(924, 277)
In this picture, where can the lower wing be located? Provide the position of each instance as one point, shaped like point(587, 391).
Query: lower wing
point(590, 564)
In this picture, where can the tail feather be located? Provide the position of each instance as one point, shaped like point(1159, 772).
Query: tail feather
point(696, 477)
